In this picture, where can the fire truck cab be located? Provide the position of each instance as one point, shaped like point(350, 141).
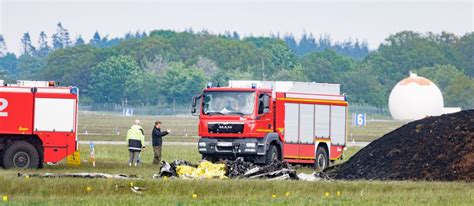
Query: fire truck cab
point(263, 121)
point(38, 123)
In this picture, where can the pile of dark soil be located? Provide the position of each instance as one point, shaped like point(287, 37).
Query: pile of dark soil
point(437, 148)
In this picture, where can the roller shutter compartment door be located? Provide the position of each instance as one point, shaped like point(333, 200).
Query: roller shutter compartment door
point(306, 127)
point(291, 122)
point(338, 125)
point(321, 123)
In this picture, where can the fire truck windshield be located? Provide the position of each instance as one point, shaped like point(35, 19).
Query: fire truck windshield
point(224, 103)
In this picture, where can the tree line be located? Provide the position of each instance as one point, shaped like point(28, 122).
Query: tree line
point(165, 67)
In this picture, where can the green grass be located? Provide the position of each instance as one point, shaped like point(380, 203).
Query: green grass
point(113, 159)
point(373, 130)
point(235, 192)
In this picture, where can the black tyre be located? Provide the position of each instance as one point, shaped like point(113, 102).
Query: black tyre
point(322, 160)
point(1, 159)
point(272, 155)
point(21, 155)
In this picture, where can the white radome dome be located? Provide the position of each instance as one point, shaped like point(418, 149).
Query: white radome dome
point(415, 98)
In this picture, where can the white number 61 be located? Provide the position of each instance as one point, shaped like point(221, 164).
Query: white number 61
point(3, 106)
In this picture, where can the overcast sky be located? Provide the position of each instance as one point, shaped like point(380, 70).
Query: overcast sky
point(368, 20)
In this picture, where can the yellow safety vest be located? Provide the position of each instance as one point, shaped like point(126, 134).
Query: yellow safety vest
point(135, 132)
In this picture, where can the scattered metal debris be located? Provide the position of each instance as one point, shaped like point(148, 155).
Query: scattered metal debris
point(238, 168)
point(138, 190)
point(81, 175)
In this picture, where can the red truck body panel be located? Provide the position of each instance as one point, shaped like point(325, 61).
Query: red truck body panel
point(302, 120)
point(299, 152)
point(18, 112)
point(49, 113)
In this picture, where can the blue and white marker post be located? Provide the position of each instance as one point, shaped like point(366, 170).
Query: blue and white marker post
point(92, 153)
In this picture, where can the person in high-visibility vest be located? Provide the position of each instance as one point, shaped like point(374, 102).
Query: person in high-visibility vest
point(136, 142)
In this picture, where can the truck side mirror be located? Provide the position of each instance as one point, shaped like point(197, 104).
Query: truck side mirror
point(266, 101)
point(264, 105)
point(195, 100)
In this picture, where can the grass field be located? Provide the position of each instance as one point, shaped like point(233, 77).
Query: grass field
point(106, 127)
point(112, 159)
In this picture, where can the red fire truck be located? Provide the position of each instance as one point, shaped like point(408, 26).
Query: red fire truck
point(300, 122)
point(37, 123)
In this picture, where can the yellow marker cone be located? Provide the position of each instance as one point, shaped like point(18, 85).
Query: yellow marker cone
point(131, 184)
point(88, 189)
point(326, 194)
point(287, 194)
point(338, 193)
point(195, 196)
point(27, 177)
point(274, 196)
point(5, 198)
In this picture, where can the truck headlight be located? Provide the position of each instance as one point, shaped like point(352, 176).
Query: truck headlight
point(250, 145)
point(202, 144)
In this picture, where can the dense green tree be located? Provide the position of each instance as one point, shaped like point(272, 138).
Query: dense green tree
point(460, 93)
point(29, 67)
point(3, 47)
point(115, 80)
point(43, 47)
point(465, 48)
point(276, 55)
point(168, 60)
point(79, 41)
point(180, 83)
point(291, 42)
point(27, 46)
point(307, 44)
point(61, 38)
point(362, 86)
point(410, 50)
point(72, 66)
point(8, 64)
point(292, 74)
point(96, 39)
point(326, 66)
point(3, 74)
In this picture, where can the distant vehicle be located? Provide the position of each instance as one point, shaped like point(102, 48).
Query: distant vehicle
point(263, 121)
point(38, 123)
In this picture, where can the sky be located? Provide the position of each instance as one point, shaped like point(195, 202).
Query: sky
point(367, 20)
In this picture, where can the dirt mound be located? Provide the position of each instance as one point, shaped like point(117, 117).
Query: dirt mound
point(435, 148)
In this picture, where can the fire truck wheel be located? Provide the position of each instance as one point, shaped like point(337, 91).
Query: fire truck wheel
point(322, 160)
point(272, 154)
point(21, 155)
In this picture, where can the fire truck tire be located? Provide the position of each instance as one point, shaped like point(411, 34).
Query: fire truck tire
point(21, 155)
point(1, 159)
point(272, 154)
point(322, 160)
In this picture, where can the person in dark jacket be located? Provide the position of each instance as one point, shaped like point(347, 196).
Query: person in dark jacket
point(157, 141)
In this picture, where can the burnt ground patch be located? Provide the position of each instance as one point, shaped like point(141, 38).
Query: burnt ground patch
point(437, 148)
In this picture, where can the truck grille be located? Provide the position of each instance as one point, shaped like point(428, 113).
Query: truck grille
point(225, 127)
